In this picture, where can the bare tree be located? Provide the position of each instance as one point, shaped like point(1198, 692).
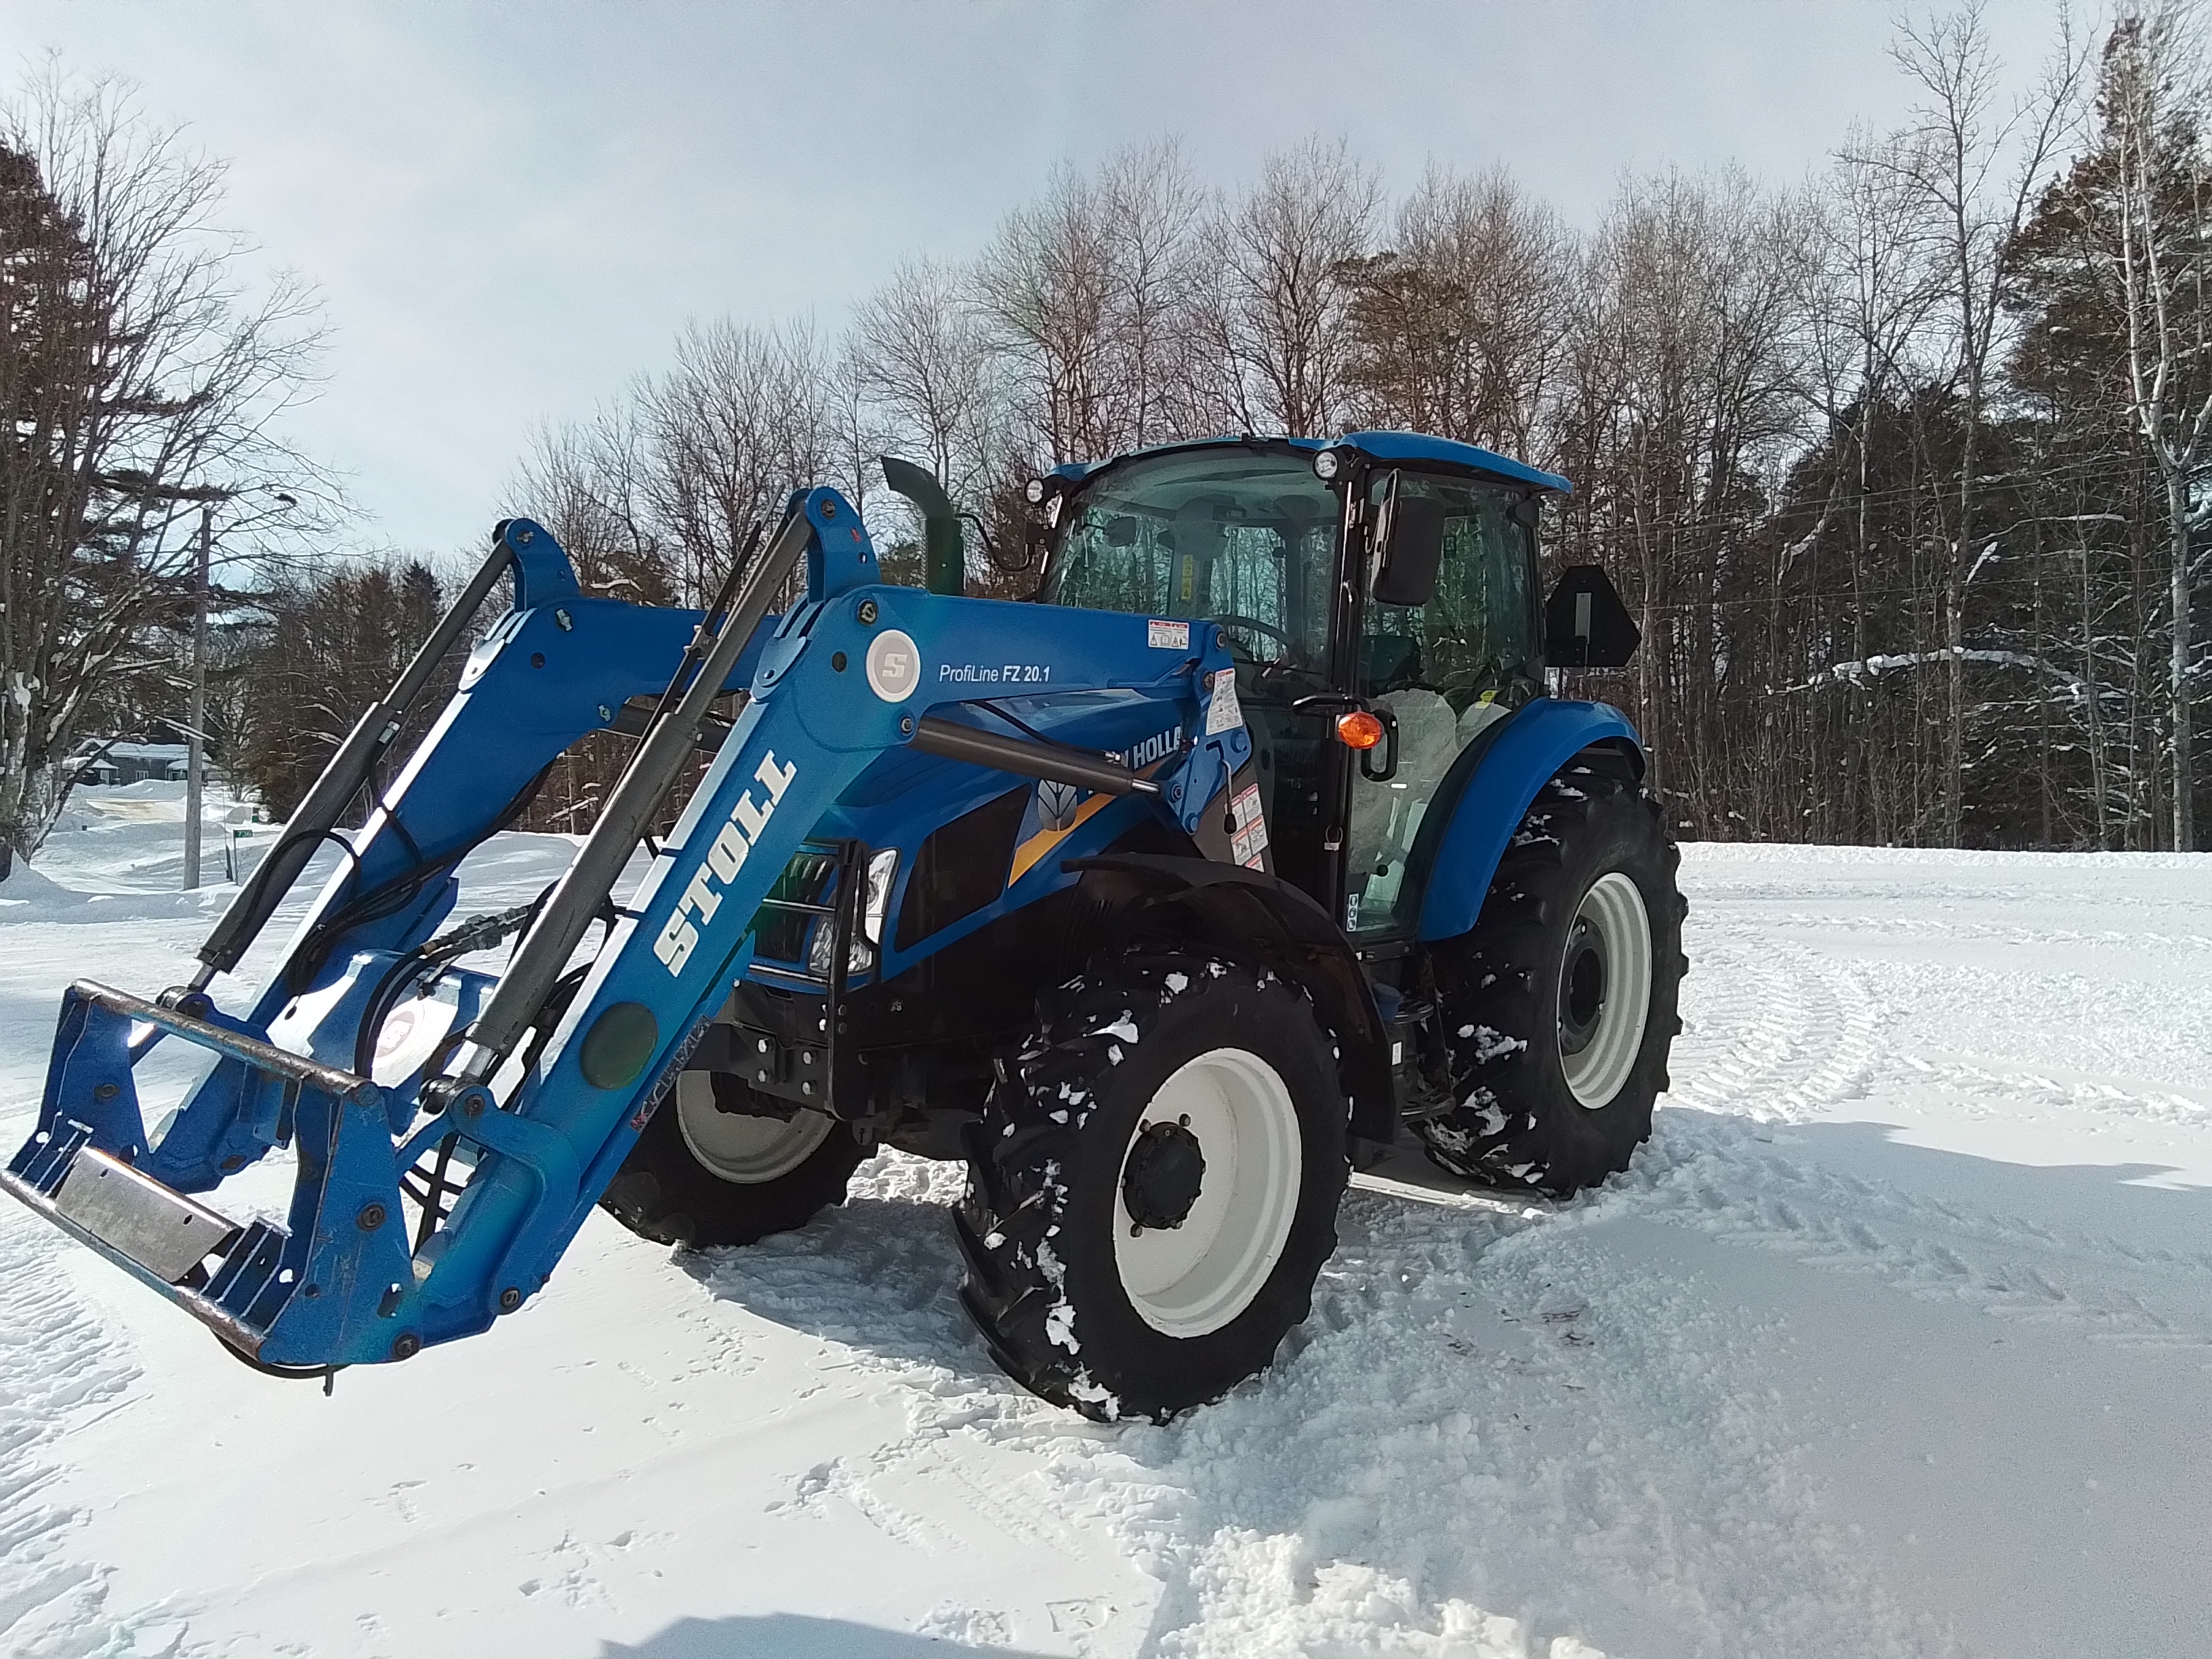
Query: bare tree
point(1280, 263)
point(745, 416)
point(655, 495)
point(1461, 324)
point(2156, 220)
point(1870, 289)
point(1084, 294)
point(586, 482)
point(1045, 287)
point(140, 387)
point(1685, 396)
point(1977, 172)
point(921, 356)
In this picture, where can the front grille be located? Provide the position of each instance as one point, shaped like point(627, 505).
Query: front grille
point(781, 931)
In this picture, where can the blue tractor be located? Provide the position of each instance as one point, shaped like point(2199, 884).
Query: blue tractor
point(1247, 845)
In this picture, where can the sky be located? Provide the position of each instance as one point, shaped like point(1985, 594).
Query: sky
point(510, 209)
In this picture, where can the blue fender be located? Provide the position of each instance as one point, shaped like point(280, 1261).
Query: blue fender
point(1528, 749)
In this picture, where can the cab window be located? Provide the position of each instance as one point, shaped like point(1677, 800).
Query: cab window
point(1475, 641)
point(1242, 537)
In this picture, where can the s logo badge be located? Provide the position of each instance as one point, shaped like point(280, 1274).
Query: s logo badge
point(894, 665)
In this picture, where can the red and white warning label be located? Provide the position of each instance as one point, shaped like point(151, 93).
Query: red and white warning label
point(1164, 635)
point(1249, 839)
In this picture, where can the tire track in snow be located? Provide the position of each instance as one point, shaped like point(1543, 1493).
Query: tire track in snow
point(1491, 1440)
point(59, 1368)
point(1776, 1033)
point(1730, 1181)
point(1499, 1436)
point(2046, 1087)
point(1771, 1029)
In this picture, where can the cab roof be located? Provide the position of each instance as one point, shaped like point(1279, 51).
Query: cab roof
point(1411, 447)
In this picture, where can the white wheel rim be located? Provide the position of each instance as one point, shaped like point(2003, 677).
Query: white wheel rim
point(745, 1150)
point(1613, 907)
point(1193, 1278)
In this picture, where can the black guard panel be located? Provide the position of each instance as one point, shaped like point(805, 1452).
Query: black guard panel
point(962, 867)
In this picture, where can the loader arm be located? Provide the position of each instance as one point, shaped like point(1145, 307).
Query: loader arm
point(546, 1080)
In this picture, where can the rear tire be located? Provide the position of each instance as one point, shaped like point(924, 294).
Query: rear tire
point(704, 1175)
point(1559, 1007)
point(1197, 1095)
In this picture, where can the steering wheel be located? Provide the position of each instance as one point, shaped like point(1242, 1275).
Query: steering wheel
point(1232, 620)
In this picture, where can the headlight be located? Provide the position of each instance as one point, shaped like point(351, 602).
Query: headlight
point(875, 906)
point(881, 869)
point(1033, 491)
point(1327, 464)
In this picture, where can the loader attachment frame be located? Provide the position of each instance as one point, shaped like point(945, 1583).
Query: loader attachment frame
point(541, 1077)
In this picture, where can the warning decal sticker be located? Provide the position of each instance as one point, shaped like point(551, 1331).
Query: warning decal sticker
point(1250, 838)
point(1224, 713)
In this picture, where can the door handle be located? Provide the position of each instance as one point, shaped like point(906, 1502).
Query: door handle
point(1388, 748)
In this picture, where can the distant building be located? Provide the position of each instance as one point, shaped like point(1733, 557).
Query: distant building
point(98, 761)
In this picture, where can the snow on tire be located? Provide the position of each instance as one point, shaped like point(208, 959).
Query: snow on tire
point(1152, 1188)
point(1559, 1007)
point(704, 1174)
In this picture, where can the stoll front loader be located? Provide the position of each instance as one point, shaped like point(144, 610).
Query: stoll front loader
point(1249, 844)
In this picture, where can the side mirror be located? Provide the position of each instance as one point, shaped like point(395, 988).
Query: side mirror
point(1585, 623)
point(1409, 541)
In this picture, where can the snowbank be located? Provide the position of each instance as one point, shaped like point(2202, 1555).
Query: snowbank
point(29, 894)
point(1897, 1340)
point(1740, 853)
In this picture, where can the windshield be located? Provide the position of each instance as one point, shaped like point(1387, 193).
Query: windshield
point(1242, 538)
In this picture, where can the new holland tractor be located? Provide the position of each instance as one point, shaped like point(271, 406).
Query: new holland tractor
point(1245, 846)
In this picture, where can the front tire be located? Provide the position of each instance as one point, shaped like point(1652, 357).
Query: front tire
point(704, 1175)
point(1559, 1007)
point(1153, 1186)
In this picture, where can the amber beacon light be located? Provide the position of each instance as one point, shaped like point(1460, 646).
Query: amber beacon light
point(1359, 730)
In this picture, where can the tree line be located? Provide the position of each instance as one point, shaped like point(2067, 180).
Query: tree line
point(1899, 466)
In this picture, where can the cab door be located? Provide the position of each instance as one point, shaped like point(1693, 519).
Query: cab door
point(1436, 673)
point(1274, 594)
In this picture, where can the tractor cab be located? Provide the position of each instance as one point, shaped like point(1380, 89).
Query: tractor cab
point(1379, 598)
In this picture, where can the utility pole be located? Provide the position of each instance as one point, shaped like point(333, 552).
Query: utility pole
point(195, 739)
point(195, 744)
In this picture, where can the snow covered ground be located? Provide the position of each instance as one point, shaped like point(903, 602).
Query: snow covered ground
point(1897, 1340)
